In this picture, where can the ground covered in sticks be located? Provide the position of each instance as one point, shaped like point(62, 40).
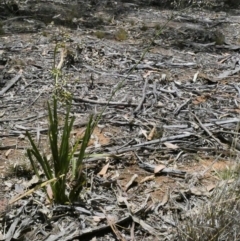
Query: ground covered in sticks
point(168, 139)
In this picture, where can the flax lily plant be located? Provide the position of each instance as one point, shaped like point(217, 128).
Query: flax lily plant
point(63, 160)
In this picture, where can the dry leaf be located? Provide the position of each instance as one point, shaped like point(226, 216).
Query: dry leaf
point(230, 181)
point(159, 168)
point(8, 184)
point(170, 145)
point(211, 187)
point(196, 191)
point(165, 198)
point(206, 77)
point(8, 152)
point(195, 77)
point(49, 192)
point(97, 218)
point(104, 170)
point(199, 191)
point(160, 104)
point(2, 113)
point(34, 180)
point(131, 181)
point(144, 133)
point(152, 133)
point(199, 99)
point(121, 200)
point(148, 178)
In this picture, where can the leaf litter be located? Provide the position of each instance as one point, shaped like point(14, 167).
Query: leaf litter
point(164, 140)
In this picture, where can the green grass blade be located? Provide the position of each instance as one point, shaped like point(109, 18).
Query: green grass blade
point(53, 134)
point(84, 144)
point(64, 150)
point(33, 163)
point(41, 160)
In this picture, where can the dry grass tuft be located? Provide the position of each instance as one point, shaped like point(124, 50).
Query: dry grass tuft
point(100, 34)
point(217, 220)
point(121, 34)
